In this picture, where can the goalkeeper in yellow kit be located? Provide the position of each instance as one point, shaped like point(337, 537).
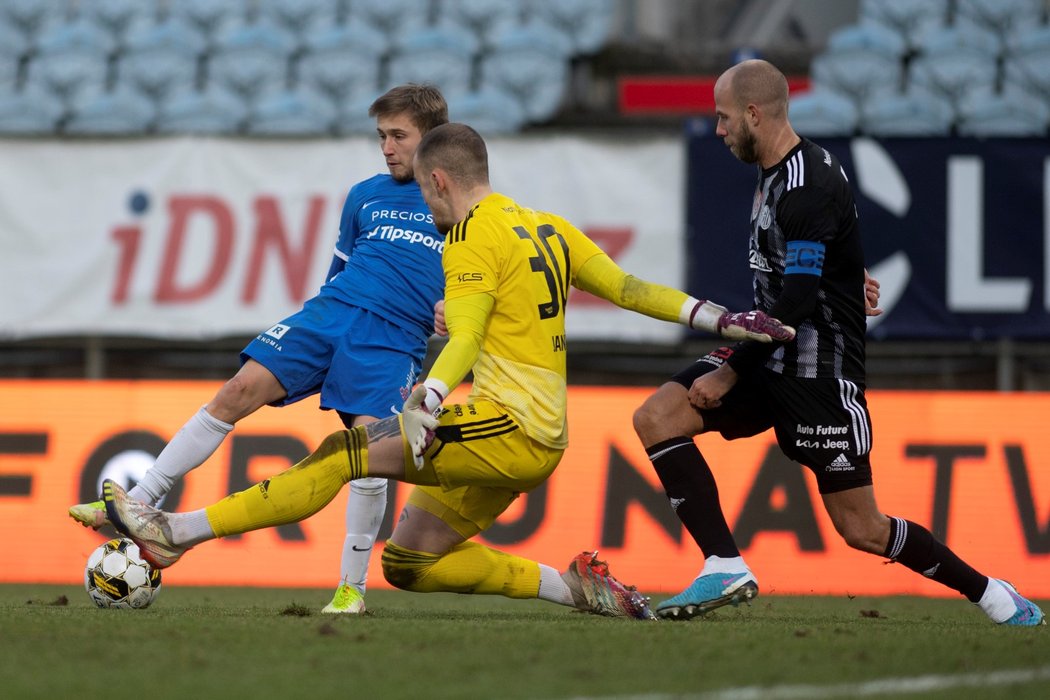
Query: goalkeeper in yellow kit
point(508, 270)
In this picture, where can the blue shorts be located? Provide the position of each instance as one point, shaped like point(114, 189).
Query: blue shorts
point(360, 363)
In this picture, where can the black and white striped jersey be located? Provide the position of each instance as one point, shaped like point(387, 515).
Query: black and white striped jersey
point(804, 222)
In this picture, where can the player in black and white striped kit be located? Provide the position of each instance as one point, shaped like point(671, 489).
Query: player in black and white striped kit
point(806, 258)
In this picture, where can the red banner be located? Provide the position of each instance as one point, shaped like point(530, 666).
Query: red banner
point(969, 466)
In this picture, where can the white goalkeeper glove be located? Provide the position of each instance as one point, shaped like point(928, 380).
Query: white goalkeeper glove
point(418, 424)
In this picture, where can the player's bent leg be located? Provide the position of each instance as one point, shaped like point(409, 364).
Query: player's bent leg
point(251, 388)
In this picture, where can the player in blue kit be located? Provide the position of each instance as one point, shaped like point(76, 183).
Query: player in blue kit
point(360, 342)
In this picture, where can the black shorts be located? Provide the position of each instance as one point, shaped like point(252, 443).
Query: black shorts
point(820, 423)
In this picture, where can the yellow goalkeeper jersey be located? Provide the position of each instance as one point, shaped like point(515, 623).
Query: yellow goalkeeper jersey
point(526, 261)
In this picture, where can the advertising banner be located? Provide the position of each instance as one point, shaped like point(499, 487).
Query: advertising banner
point(971, 467)
point(197, 238)
point(956, 230)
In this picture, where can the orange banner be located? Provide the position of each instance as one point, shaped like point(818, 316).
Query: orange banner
point(969, 466)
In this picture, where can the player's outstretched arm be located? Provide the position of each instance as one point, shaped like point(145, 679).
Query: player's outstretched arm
point(602, 277)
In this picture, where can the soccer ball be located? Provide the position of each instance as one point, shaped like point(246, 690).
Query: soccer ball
point(118, 577)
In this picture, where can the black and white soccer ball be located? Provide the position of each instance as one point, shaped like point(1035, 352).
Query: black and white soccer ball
point(118, 577)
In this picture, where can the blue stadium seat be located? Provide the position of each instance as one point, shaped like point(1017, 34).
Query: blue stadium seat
point(210, 18)
point(487, 111)
point(14, 47)
point(122, 111)
point(352, 118)
point(823, 113)
point(343, 60)
point(390, 17)
point(442, 56)
point(32, 111)
point(586, 23)
point(1027, 62)
point(860, 73)
point(71, 58)
point(215, 110)
point(251, 58)
point(1003, 114)
point(872, 38)
point(909, 18)
point(161, 59)
point(299, 17)
point(117, 18)
point(33, 18)
point(292, 113)
point(1003, 18)
point(485, 18)
point(529, 63)
point(955, 61)
point(911, 113)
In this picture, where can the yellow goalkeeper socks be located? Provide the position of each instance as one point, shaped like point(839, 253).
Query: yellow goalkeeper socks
point(298, 492)
point(466, 568)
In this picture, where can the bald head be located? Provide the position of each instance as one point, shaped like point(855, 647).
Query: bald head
point(759, 83)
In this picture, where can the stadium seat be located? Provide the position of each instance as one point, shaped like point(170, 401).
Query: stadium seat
point(117, 17)
point(586, 23)
point(14, 47)
point(955, 61)
point(860, 73)
point(909, 18)
point(161, 59)
point(251, 58)
point(488, 111)
point(529, 63)
point(291, 113)
point(911, 113)
point(1027, 62)
point(1003, 18)
point(823, 113)
point(122, 111)
point(32, 111)
point(215, 110)
point(343, 61)
point(392, 18)
point(871, 38)
point(485, 18)
point(352, 118)
point(999, 114)
point(442, 56)
point(209, 18)
point(299, 17)
point(33, 18)
point(71, 58)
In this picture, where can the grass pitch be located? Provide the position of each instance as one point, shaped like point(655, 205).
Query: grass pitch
point(274, 643)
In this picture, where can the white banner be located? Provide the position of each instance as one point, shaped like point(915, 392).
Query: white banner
point(196, 238)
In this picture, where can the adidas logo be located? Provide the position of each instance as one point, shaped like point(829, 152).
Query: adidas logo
point(839, 464)
point(675, 502)
point(929, 573)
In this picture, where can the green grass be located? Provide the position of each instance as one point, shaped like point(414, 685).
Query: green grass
point(241, 642)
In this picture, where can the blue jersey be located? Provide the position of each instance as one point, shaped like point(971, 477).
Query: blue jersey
point(388, 256)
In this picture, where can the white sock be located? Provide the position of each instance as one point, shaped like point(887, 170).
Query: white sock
point(195, 442)
point(724, 565)
point(188, 529)
point(997, 603)
point(364, 514)
point(554, 588)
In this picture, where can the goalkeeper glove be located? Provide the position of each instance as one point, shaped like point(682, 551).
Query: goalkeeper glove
point(743, 325)
point(418, 424)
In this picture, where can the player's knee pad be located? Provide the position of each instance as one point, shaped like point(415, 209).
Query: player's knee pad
point(405, 568)
point(369, 486)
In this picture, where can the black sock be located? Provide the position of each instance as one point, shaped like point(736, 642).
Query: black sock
point(915, 547)
point(691, 487)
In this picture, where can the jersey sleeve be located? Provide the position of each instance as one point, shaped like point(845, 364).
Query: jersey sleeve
point(348, 232)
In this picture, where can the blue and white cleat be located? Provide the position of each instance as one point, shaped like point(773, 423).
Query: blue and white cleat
point(1028, 613)
point(707, 593)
